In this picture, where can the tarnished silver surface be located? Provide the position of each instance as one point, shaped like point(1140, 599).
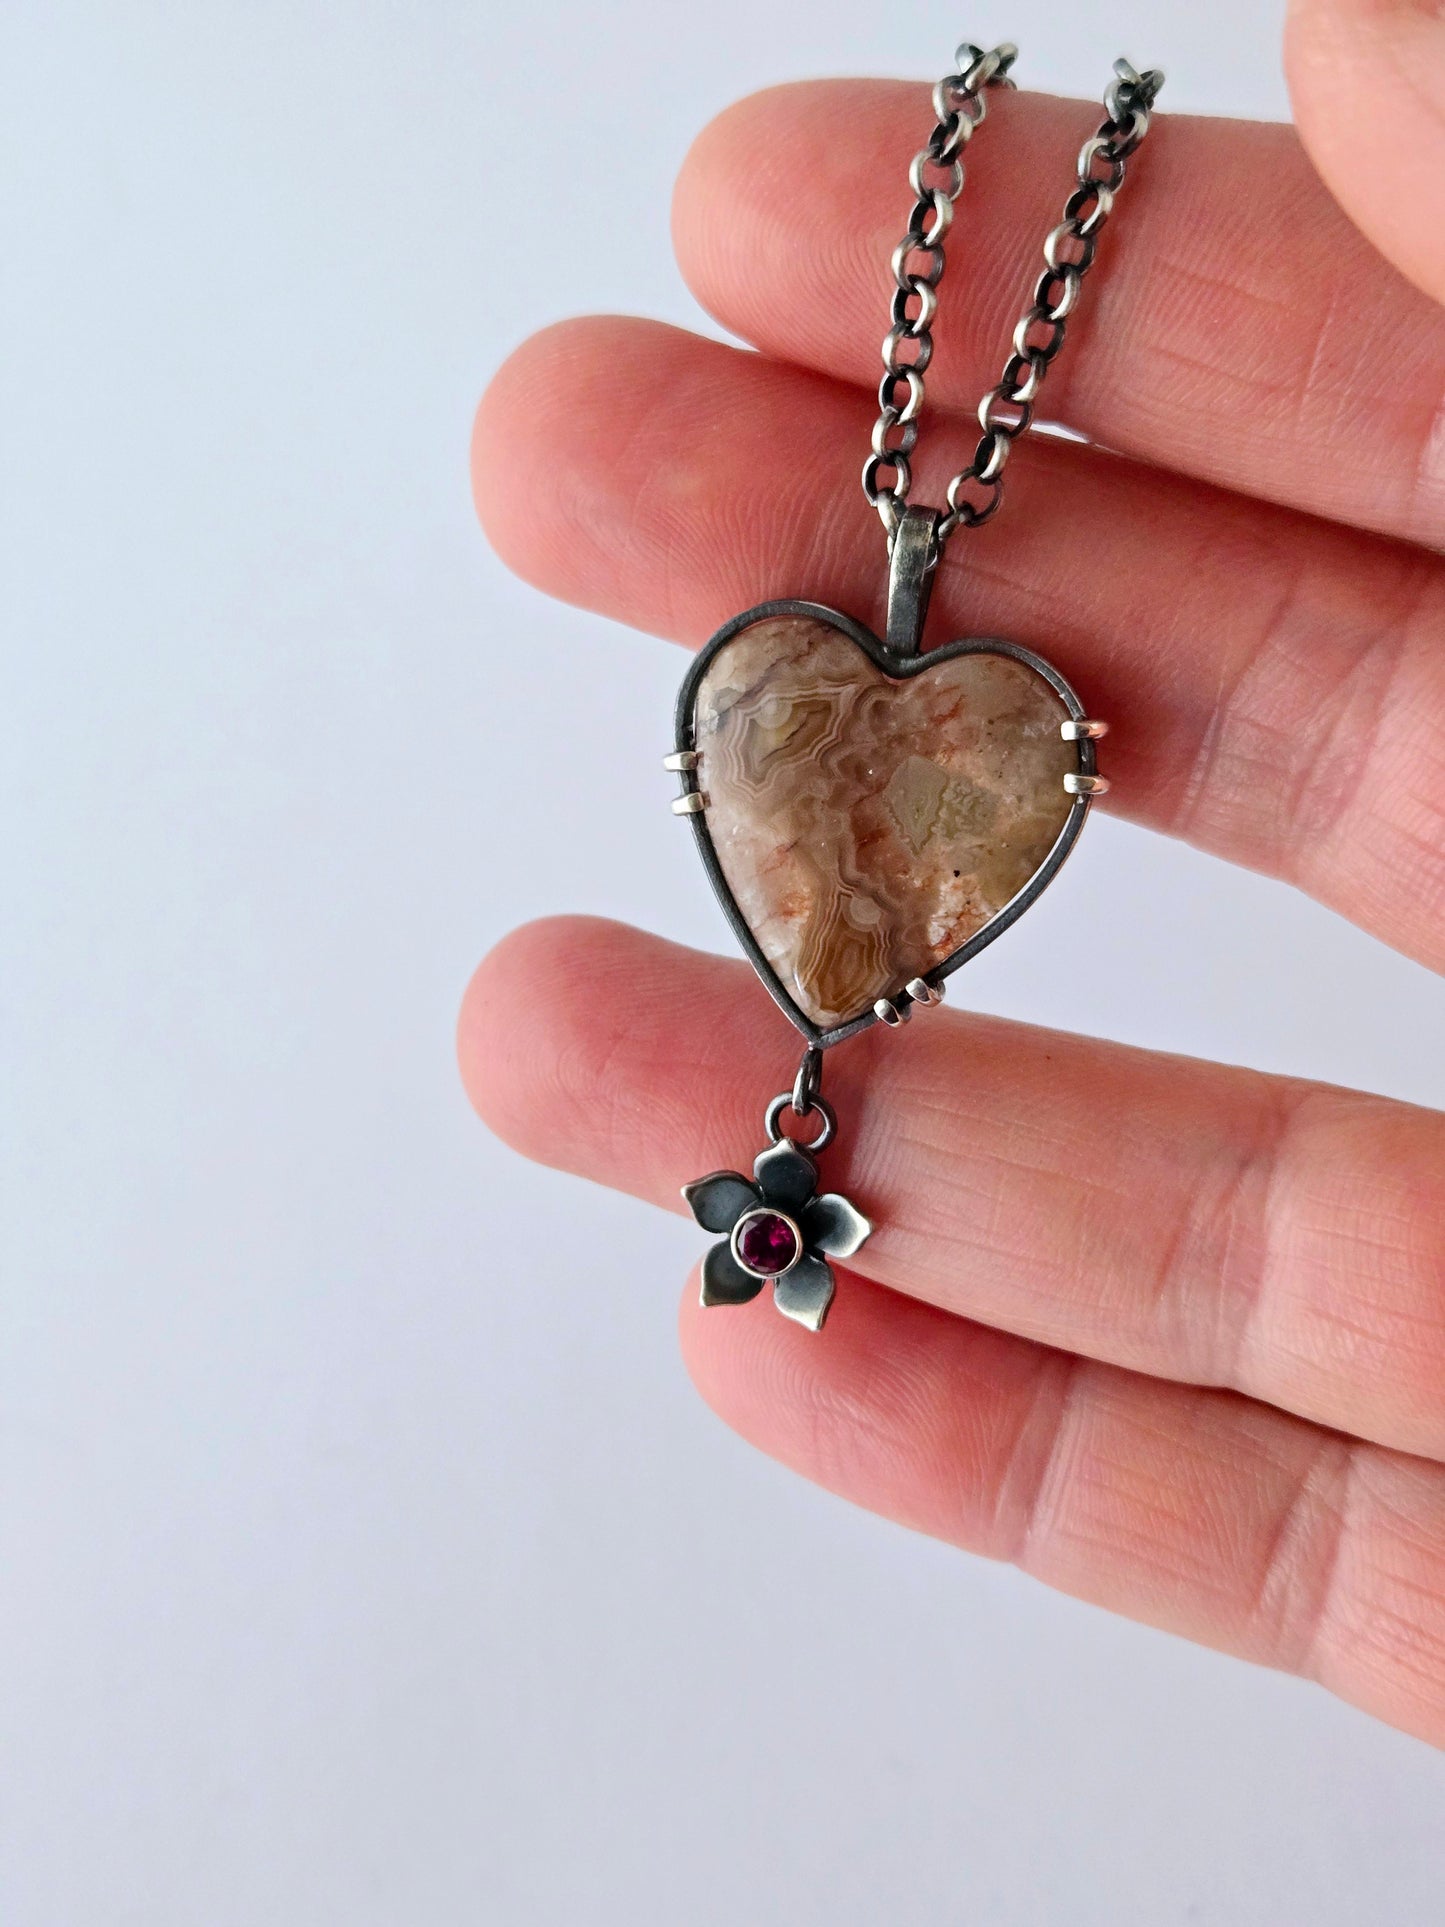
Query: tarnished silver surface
point(808, 1084)
point(901, 668)
point(785, 1175)
point(960, 100)
point(912, 561)
point(819, 1107)
point(936, 176)
point(783, 1188)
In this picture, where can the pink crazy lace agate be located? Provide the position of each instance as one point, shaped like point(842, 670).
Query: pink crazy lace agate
point(868, 828)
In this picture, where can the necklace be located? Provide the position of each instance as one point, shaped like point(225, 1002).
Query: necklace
point(871, 816)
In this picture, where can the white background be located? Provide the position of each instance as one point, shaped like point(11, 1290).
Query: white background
point(367, 1557)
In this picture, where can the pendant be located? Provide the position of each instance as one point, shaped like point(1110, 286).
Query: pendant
point(870, 817)
point(778, 1229)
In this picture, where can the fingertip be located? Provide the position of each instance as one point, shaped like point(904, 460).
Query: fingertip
point(712, 175)
point(781, 1387)
point(536, 461)
point(591, 1046)
point(1367, 83)
point(894, 1405)
point(585, 486)
point(752, 1368)
point(530, 1033)
point(495, 441)
point(732, 200)
point(691, 1335)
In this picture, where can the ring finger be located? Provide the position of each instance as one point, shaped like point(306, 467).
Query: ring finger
point(1184, 1219)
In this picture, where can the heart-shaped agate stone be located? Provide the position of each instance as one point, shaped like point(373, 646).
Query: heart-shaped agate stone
point(871, 819)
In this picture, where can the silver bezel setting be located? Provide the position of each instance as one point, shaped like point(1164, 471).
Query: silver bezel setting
point(686, 759)
point(767, 1211)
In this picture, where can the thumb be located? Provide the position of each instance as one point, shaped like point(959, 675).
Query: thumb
point(1368, 82)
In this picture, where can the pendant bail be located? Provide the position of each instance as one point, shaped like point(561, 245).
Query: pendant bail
point(912, 563)
point(808, 1084)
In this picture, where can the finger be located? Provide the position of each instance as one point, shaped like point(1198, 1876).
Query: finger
point(1237, 326)
point(1368, 82)
point(1275, 684)
point(1197, 1511)
point(1180, 1218)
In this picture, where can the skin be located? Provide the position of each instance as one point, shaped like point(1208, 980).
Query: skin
point(1168, 1334)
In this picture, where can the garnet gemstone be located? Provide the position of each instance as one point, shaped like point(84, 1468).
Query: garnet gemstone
point(767, 1243)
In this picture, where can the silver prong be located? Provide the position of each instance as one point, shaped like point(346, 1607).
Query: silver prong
point(1085, 785)
point(1079, 729)
point(693, 804)
point(925, 993)
point(682, 759)
point(888, 1013)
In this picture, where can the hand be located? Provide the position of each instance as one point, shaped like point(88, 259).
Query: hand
point(1170, 1335)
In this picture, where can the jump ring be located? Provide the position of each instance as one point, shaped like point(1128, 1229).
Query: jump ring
point(784, 1102)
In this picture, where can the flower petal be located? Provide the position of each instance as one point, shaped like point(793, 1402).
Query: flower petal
point(724, 1282)
point(833, 1225)
point(720, 1199)
point(787, 1176)
point(805, 1293)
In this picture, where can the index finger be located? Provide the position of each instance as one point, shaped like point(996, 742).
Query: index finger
point(1237, 328)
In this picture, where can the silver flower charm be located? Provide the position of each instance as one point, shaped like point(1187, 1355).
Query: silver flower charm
point(777, 1231)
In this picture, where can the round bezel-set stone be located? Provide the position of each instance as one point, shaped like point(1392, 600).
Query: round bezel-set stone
point(766, 1242)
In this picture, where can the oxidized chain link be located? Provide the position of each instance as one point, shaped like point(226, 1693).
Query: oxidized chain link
point(961, 104)
point(937, 176)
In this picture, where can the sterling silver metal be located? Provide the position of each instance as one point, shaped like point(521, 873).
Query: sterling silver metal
point(960, 101)
point(773, 1120)
point(925, 993)
point(808, 1084)
point(784, 1185)
point(912, 560)
point(900, 667)
point(785, 1175)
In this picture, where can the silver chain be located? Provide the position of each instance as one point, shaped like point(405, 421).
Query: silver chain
point(960, 101)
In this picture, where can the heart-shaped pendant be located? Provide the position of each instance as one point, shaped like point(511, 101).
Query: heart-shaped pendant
point(871, 819)
point(869, 816)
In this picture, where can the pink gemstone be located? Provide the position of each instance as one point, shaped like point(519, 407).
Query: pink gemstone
point(767, 1243)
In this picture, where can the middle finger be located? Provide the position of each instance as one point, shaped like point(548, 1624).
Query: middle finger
point(1275, 683)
